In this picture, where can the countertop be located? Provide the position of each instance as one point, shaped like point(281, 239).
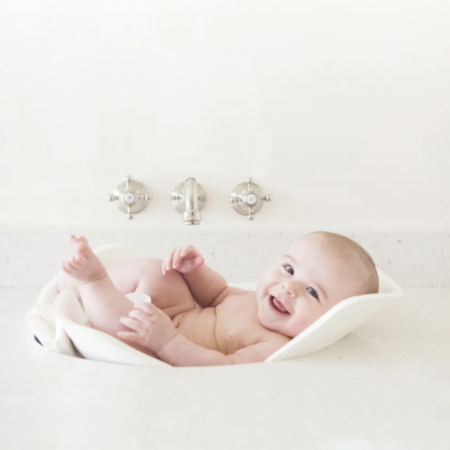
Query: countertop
point(384, 386)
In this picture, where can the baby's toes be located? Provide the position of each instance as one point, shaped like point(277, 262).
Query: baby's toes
point(76, 264)
point(80, 259)
point(64, 268)
point(82, 253)
point(68, 267)
point(73, 240)
point(80, 249)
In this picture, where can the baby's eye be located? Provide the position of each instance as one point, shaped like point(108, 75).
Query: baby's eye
point(289, 269)
point(313, 292)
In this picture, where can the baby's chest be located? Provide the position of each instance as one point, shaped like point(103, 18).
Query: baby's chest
point(237, 326)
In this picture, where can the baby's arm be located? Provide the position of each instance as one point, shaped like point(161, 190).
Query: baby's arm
point(207, 286)
point(155, 331)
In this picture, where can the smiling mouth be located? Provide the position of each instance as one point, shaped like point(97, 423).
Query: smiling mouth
point(277, 305)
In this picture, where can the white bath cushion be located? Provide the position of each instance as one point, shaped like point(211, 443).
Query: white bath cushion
point(60, 324)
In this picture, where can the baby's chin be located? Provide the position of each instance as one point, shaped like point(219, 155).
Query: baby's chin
point(271, 325)
point(264, 321)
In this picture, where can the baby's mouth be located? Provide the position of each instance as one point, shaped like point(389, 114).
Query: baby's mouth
point(277, 305)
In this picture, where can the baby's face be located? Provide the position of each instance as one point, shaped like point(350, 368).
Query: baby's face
point(302, 286)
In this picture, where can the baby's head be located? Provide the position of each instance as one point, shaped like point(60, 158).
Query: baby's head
point(319, 270)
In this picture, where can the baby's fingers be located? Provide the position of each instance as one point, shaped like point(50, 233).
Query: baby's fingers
point(199, 260)
point(189, 250)
point(133, 324)
point(167, 263)
point(129, 336)
point(177, 258)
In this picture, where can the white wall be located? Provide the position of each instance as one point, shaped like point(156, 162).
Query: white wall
point(340, 109)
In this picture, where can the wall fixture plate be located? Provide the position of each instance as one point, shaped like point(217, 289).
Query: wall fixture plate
point(131, 197)
point(247, 198)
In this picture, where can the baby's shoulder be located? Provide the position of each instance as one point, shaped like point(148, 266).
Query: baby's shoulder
point(236, 299)
point(231, 294)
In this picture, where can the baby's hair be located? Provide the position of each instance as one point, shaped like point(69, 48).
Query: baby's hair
point(344, 245)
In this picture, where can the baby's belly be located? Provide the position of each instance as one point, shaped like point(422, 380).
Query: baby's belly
point(198, 325)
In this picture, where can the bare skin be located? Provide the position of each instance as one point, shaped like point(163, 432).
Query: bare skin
point(230, 326)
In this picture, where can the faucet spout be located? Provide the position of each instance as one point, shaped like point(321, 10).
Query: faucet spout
point(191, 215)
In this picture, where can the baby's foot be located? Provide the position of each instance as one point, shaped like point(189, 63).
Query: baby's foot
point(83, 265)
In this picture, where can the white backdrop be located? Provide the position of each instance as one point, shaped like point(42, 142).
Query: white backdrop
point(339, 109)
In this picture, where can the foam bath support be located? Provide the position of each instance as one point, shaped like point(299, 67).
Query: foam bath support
point(60, 324)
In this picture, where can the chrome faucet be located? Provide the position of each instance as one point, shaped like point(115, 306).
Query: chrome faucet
point(188, 198)
point(191, 215)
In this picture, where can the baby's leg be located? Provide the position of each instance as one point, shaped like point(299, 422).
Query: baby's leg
point(104, 304)
point(168, 292)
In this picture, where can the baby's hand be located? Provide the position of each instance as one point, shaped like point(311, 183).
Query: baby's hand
point(152, 328)
point(183, 260)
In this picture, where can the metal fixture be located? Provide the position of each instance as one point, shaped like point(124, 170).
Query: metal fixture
point(189, 198)
point(131, 196)
point(247, 198)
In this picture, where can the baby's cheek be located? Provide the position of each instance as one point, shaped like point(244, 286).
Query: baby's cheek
point(260, 287)
point(265, 279)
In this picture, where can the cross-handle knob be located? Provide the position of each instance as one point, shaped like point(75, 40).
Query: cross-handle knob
point(131, 196)
point(247, 198)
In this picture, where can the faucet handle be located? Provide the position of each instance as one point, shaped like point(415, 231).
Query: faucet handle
point(131, 197)
point(247, 198)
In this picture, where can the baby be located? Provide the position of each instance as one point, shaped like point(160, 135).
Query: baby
point(231, 325)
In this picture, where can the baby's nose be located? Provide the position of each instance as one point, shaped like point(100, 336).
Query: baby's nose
point(290, 289)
